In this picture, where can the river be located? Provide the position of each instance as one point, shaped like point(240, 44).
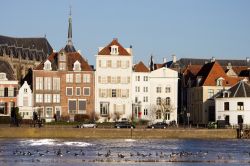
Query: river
point(174, 152)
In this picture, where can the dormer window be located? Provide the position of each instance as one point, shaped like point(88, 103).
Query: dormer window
point(77, 66)
point(114, 50)
point(219, 81)
point(3, 76)
point(47, 65)
point(226, 94)
point(62, 57)
point(198, 80)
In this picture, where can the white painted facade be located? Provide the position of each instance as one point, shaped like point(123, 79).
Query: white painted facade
point(163, 85)
point(113, 86)
point(234, 110)
point(141, 95)
point(25, 101)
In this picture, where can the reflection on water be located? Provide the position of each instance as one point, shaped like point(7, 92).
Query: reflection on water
point(124, 152)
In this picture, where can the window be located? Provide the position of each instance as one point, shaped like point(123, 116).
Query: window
point(39, 83)
point(69, 91)
point(62, 66)
point(118, 64)
point(69, 78)
point(109, 63)
point(3, 76)
point(137, 89)
point(11, 92)
point(25, 90)
point(1, 92)
point(124, 93)
point(158, 101)
point(72, 106)
point(158, 89)
point(47, 83)
point(145, 78)
point(167, 116)
point(145, 111)
point(168, 90)
point(78, 78)
point(49, 112)
point(145, 89)
point(240, 106)
point(137, 78)
point(86, 91)
point(47, 65)
point(82, 106)
point(168, 101)
point(86, 78)
point(47, 98)
point(39, 98)
point(210, 93)
point(114, 50)
point(104, 109)
point(158, 114)
point(56, 84)
point(78, 91)
point(113, 80)
point(219, 81)
point(113, 92)
point(25, 101)
point(226, 106)
point(102, 93)
point(56, 98)
point(62, 57)
point(136, 99)
point(77, 66)
point(145, 99)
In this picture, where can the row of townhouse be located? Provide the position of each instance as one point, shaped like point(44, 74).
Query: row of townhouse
point(65, 85)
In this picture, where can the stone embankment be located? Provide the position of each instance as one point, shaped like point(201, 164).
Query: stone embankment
point(99, 133)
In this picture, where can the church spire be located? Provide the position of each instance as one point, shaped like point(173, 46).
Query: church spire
point(70, 29)
point(69, 46)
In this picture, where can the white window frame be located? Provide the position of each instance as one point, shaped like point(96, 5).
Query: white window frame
point(79, 91)
point(56, 83)
point(69, 78)
point(78, 78)
point(56, 98)
point(75, 111)
point(86, 78)
point(82, 111)
point(47, 98)
point(67, 91)
point(84, 91)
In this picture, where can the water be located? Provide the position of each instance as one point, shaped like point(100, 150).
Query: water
point(126, 152)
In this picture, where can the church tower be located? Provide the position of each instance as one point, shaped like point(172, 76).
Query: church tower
point(69, 46)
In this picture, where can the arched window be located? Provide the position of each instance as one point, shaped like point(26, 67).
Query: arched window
point(47, 65)
point(168, 101)
point(158, 101)
point(77, 66)
point(158, 114)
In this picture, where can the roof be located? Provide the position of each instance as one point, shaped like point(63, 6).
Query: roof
point(223, 62)
point(241, 89)
point(140, 67)
point(69, 48)
point(210, 72)
point(72, 57)
point(106, 50)
point(6, 68)
point(31, 48)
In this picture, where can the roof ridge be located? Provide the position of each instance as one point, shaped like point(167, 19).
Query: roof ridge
point(237, 89)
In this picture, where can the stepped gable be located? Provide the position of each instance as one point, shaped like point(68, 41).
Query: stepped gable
point(72, 57)
point(106, 50)
point(210, 72)
point(6, 68)
point(27, 48)
point(140, 67)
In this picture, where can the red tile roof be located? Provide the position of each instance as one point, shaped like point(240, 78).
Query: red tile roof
point(106, 50)
point(140, 67)
point(72, 57)
point(210, 72)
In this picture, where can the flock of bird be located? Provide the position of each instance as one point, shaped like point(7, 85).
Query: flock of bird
point(151, 156)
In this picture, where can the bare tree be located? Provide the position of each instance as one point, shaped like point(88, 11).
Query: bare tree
point(117, 115)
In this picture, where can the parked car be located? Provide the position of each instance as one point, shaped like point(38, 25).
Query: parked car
point(158, 125)
point(124, 124)
point(87, 125)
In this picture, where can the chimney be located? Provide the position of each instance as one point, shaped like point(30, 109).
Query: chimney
point(174, 58)
point(130, 49)
point(205, 62)
point(229, 66)
point(164, 60)
point(79, 51)
point(212, 59)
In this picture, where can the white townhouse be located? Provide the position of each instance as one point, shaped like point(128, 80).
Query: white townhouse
point(233, 105)
point(163, 95)
point(140, 92)
point(113, 82)
point(25, 101)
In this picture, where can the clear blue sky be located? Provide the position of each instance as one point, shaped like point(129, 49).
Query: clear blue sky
point(187, 28)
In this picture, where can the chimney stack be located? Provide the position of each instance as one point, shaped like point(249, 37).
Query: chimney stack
point(174, 58)
point(164, 60)
point(213, 59)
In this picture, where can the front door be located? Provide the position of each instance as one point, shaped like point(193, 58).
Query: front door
point(58, 112)
point(240, 119)
point(227, 120)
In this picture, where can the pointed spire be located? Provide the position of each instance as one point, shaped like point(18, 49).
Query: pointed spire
point(70, 28)
point(69, 46)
